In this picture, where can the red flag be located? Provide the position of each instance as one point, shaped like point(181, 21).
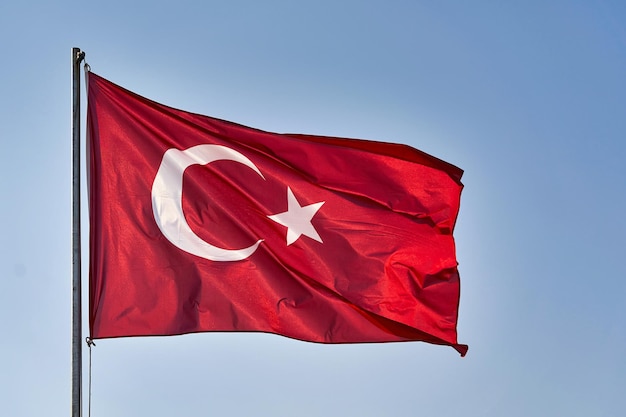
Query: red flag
point(198, 224)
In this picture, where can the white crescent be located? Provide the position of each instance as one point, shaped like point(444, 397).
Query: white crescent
point(167, 197)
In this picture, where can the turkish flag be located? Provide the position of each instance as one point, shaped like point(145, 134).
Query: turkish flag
point(199, 224)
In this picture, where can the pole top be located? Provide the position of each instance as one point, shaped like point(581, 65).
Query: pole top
point(78, 55)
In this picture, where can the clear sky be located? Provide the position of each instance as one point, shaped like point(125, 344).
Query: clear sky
point(529, 98)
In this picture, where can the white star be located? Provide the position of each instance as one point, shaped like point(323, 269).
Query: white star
point(297, 219)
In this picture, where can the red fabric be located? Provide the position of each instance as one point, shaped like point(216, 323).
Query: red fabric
point(382, 270)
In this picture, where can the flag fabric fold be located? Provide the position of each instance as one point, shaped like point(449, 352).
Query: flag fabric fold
point(198, 224)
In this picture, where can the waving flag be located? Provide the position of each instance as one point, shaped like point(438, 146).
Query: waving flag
point(199, 224)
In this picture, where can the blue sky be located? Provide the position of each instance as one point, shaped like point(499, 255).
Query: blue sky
point(529, 98)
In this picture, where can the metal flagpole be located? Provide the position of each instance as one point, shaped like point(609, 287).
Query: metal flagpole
point(77, 57)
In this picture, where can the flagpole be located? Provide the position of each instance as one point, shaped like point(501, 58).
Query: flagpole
point(77, 57)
